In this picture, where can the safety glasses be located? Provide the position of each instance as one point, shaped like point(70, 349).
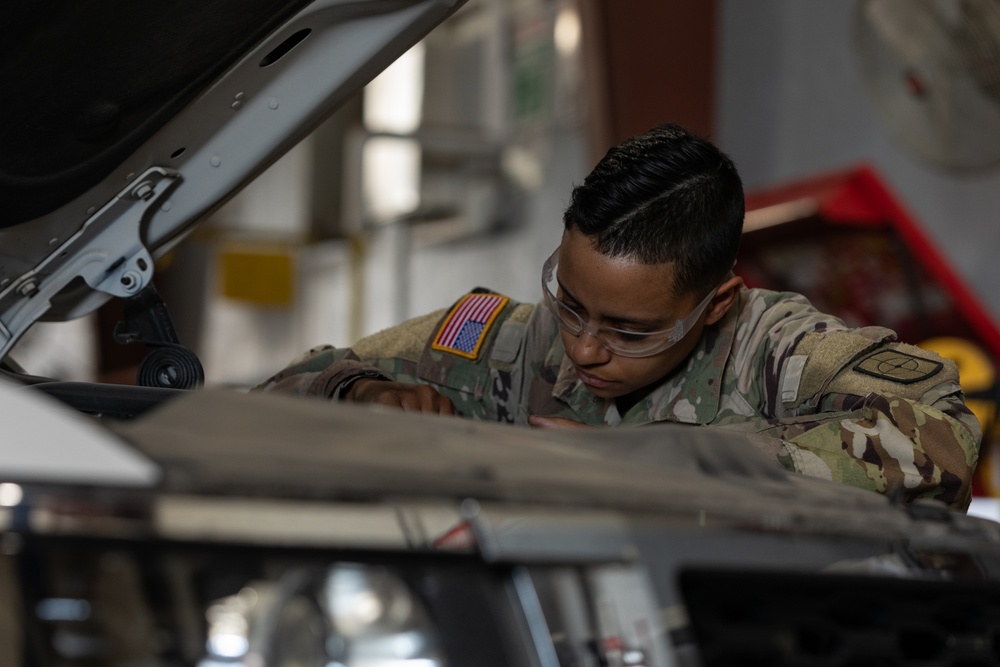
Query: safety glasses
point(620, 341)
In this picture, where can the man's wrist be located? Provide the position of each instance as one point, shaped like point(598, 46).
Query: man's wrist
point(345, 387)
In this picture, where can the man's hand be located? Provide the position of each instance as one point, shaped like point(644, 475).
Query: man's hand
point(554, 422)
point(408, 397)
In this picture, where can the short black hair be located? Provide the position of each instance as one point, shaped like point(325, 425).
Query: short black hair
point(666, 195)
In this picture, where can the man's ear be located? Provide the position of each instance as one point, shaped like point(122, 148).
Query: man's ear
point(723, 300)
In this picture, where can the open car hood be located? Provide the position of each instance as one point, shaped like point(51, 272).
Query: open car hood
point(125, 126)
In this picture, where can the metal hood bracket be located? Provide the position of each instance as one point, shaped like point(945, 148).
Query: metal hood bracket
point(107, 253)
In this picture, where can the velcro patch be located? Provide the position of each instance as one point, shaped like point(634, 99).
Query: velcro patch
point(898, 366)
point(464, 329)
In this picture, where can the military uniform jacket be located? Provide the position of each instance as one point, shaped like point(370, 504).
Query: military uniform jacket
point(851, 405)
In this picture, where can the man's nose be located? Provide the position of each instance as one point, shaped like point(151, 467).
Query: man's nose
point(587, 350)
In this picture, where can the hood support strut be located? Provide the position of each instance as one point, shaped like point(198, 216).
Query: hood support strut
point(169, 364)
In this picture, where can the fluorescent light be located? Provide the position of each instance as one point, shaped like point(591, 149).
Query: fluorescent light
point(390, 169)
point(567, 31)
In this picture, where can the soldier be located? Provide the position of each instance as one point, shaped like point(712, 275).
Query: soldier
point(642, 321)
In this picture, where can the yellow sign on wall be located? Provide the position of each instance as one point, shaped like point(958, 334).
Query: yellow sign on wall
point(258, 274)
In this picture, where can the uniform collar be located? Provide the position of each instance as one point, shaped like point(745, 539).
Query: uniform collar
point(690, 395)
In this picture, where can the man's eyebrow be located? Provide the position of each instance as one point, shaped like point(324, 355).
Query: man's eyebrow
point(653, 324)
point(567, 292)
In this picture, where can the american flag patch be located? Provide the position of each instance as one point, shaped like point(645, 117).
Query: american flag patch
point(466, 326)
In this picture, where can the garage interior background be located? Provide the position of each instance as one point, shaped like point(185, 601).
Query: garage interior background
point(452, 170)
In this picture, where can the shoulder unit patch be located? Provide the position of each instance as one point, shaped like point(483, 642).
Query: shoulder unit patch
point(898, 366)
point(464, 329)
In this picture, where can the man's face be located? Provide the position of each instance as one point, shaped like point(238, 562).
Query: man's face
point(625, 294)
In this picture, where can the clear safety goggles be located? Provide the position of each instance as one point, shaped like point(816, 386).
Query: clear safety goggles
point(620, 341)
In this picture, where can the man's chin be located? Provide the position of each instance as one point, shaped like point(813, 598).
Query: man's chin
point(608, 392)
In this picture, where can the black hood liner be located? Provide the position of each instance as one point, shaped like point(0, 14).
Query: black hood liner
point(86, 82)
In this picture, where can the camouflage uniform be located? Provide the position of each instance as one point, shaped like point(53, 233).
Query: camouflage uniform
point(845, 404)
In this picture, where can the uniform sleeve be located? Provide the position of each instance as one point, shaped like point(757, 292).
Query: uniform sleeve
point(884, 442)
point(862, 410)
point(324, 371)
point(481, 369)
point(321, 373)
point(855, 406)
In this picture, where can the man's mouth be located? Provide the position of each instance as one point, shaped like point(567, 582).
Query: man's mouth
point(590, 380)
